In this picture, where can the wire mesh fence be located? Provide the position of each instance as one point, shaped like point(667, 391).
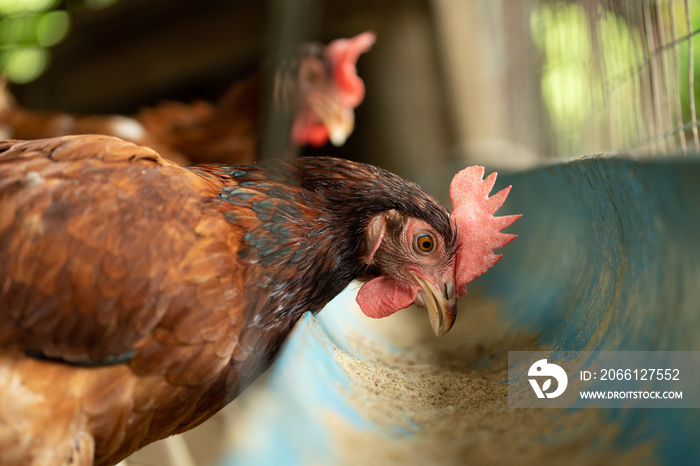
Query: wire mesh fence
point(619, 75)
point(575, 77)
point(636, 68)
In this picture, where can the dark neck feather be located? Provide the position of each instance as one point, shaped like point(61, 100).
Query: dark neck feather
point(309, 217)
point(303, 228)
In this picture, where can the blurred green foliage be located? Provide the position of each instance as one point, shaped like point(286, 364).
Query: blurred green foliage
point(600, 71)
point(29, 28)
point(683, 48)
point(584, 69)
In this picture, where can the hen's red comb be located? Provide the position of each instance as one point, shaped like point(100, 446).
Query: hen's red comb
point(344, 54)
point(478, 231)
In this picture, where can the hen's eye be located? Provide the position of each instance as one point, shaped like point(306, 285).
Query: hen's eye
point(311, 72)
point(425, 243)
point(312, 77)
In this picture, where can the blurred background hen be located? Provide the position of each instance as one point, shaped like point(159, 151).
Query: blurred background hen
point(314, 90)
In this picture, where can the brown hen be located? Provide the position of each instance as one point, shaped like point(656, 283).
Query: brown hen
point(138, 297)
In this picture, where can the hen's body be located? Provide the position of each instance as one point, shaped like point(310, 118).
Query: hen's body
point(138, 297)
point(227, 131)
point(202, 132)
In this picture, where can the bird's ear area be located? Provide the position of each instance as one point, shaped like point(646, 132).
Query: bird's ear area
point(381, 297)
point(376, 229)
point(344, 54)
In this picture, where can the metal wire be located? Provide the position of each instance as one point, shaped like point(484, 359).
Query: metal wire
point(675, 71)
point(691, 75)
point(626, 78)
point(657, 112)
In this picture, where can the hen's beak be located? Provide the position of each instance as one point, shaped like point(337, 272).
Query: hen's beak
point(442, 305)
point(338, 118)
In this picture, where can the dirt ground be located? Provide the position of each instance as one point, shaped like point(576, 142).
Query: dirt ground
point(445, 401)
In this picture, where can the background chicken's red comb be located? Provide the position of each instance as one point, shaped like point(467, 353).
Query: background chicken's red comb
point(344, 54)
point(478, 231)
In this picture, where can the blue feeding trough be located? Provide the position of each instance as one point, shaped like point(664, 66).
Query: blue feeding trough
point(607, 259)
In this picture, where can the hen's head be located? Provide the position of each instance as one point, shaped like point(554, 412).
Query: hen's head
point(429, 262)
point(322, 89)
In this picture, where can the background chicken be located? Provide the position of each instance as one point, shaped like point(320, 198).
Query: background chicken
point(313, 93)
point(138, 297)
